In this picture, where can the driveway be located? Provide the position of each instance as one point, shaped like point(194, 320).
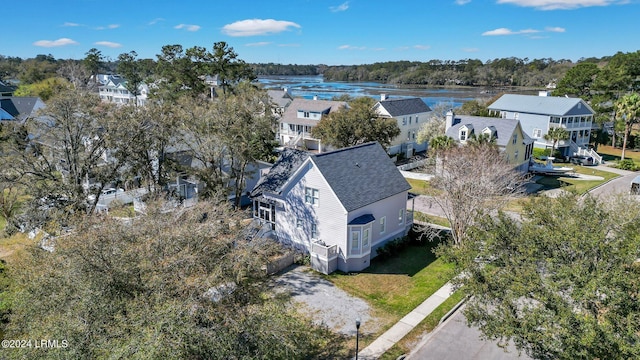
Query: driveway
point(325, 303)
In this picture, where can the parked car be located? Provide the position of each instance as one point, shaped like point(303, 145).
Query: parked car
point(581, 160)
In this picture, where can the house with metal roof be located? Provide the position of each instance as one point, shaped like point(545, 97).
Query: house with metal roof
point(410, 113)
point(302, 115)
point(338, 206)
point(507, 134)
point(538, 114)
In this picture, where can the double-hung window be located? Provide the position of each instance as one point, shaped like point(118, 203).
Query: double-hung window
point(383, 224)
point(311, 196)
point(400, 216)
point(314, 231)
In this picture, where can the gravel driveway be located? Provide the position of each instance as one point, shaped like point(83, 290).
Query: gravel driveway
point(325, 303)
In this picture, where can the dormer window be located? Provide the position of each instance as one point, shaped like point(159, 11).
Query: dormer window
point(465, 132)
point(490, 132)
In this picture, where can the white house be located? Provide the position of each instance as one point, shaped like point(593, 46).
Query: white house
point(114, 90)
point(538, 114)
point(410, 114)
point(299, 117)
point(338, 206)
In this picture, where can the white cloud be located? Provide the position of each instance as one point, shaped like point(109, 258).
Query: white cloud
point(187, 27)
point(505, 31)
point(561, 4)
point(261, 43)
point(350, 47)
point(342, 7)
point(289, 45)
point(462, 2)
point(422, 47)
point(499, 32)
point(113, 26)
point(253, 27)
point(155, 21)
point(55, 43)
point(108, 44)
point(554, 29)
point(70, 24)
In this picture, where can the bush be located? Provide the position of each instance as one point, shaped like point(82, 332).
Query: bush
point(627, 164)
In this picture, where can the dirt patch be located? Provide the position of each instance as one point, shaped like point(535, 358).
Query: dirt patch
point(327, 304)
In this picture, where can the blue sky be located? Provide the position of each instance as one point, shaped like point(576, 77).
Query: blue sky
point(332, 32)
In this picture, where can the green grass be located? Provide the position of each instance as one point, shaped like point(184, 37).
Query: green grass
point(577, 185)
point(420, 187)
point(397, 285)
point(431, 219)
point(614, 154)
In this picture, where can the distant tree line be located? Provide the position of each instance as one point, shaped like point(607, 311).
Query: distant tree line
point(497, 72)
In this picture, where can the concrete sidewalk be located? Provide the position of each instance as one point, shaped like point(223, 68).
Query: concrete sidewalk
point(405, 325)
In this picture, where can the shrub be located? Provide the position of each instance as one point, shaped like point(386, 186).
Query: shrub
point(627, 164)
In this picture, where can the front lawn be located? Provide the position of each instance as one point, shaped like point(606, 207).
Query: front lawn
point(398, 284)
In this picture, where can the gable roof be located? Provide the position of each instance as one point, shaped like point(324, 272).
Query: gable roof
point(358, 175)
point(504, 128)
point(281, 98)
point(544, 105)
point(315, 106)
point(21, 107)
point(399, 107)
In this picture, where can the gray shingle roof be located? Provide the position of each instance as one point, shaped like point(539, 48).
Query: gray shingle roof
point(358, 175)
point(288, 162)
point(504, 128)
point(21, 107)
point(361, 175)
point(280, 97)
point(399, 107)
point(316, 106)
point(545, 105)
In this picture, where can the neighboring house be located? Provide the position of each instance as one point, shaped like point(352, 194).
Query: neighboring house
point(410, 114)
point(114, 90)
point(300, 117)
point(6, 90)
point(281, 99)
point(19, 108)
point(338, 206)
point(508, 135)
point(538, 114)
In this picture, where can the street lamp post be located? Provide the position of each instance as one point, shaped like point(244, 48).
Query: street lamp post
point(357, 333)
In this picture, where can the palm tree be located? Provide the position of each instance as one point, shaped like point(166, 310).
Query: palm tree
point(555, 135)
point(439, 145)
point(627, 112)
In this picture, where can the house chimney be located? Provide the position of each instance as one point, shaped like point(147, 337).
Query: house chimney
point(285, 89)
point(383, 97)
point(449, 120)
point(315, 97)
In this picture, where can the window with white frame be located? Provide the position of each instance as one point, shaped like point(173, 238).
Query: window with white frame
point(515, 139)
point(515, 155)
point(409, 120)
point(463, 134)
point(416, 119)
point(400, 216)
point(311, 196)
point(314, 231)
point(383, 224)
point(365, 238)
point(299, 223)
point(404, 121)
point(355, 240)
point(305, 114)
point(537, 133)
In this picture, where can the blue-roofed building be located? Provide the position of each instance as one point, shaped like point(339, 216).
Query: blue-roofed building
point(538, 114)
point(338, 206)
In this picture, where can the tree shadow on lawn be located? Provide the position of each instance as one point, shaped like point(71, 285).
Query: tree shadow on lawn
point(417, 254)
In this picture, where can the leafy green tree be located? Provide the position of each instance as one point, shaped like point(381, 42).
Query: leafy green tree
point(94, 62)
point(560, 282)
point(224, 62)
point(628, 113)
point(356, 124)
point(180, 72)
point(44, 89)
point(578, 81)
point(166, 285)
point(129, 68)
point(555, 135)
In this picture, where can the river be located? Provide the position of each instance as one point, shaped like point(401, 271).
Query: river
point(309, 86)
